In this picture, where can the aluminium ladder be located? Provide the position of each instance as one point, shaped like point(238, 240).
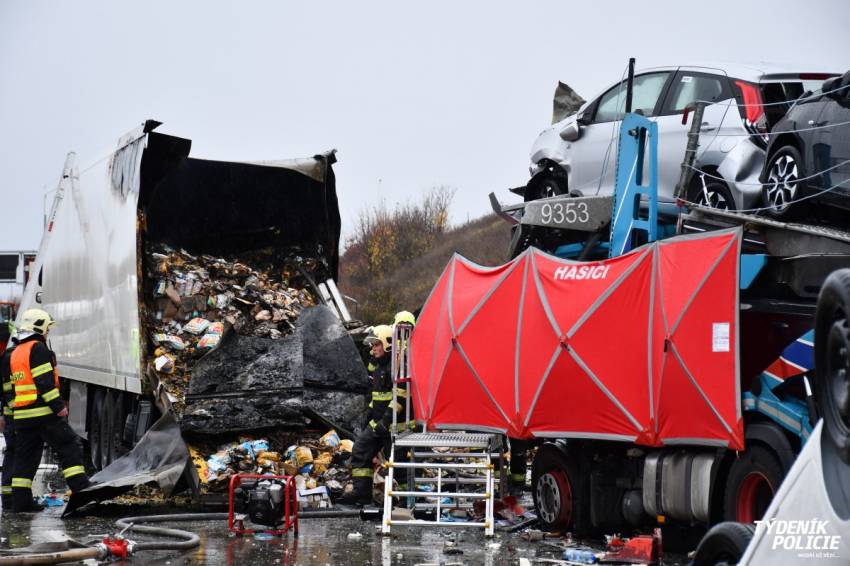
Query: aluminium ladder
point(457, 479)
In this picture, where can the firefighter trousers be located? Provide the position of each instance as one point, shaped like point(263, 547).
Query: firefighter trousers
point(366, 446)
point(28, 448)
point(8, 460)
point(519, 463)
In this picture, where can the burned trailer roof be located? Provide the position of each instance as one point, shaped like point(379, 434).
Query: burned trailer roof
point(221, 207)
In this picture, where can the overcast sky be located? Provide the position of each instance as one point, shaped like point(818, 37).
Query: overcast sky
point(411, 94)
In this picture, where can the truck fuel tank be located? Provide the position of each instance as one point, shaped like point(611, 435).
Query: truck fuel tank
point(677, 483)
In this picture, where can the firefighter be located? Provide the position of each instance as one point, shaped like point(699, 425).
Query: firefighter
point(519, 465)
point(376, 435)
point(38, 412)
point(7, 426)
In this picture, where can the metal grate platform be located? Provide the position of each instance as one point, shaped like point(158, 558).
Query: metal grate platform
point(444, 440)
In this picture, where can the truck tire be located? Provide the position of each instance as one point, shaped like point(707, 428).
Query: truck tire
point(832, 353)
point(556, 489)
point(751, 484)
point(725, 543)
point(96, 428)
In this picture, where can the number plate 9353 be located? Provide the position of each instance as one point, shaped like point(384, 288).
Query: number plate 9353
point(574, 213)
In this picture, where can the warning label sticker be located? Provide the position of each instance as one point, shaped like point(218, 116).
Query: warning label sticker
point(720, 337)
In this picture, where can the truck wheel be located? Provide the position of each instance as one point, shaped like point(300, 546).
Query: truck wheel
point(96, 426)
point(832, 354)
point(554, 488)
point(753, 479)
point(725, 543)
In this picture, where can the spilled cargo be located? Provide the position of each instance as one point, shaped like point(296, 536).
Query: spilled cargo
point(197, 288)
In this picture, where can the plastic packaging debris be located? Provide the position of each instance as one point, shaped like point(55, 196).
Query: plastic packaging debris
point(330, 439)
point(169, 340)
point(51, 500)
point(580, 556)
point(302, 456)
point(267, 456)
point(354, 536)
point(164, 364)
point(215, 328)
point(196, 326)
point(306, 469)
point(346, 445)
point(209, 341)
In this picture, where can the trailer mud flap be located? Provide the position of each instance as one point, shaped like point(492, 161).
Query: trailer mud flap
point(160, 458)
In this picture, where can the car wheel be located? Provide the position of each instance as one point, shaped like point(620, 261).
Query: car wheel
point(753, 480)
point(546, 185)
point(724, 544)
point(832, 359)
point(782, 185)
point(711, 193)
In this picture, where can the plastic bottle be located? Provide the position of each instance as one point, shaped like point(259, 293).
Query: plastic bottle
point(582, 556)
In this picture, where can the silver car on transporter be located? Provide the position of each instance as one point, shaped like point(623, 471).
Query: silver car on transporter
point(577, 155)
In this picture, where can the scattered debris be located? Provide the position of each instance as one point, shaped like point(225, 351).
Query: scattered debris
point(313, 497)
point(642, 549)
point(320, 469)
point(195, 298)
point(580, 556)
point(51, 500)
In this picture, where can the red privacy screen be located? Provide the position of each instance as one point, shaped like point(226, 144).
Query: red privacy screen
point(638, 348)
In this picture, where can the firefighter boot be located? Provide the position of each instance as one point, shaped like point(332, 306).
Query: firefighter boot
point(22, 501)
point(362, 493)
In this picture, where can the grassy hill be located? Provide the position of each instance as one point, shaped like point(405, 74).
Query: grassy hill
point(395, 257)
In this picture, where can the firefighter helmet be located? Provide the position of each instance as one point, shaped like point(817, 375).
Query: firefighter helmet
point(405, 317)
point(382, 333)
point(36, 321)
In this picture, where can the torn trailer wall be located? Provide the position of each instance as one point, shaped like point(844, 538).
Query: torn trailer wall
point(238, 249)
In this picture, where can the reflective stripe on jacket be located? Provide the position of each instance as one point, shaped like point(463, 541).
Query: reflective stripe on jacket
point(35, 381)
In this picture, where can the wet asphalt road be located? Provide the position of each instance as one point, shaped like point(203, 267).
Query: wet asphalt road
point(323, 541)
point(320, 542)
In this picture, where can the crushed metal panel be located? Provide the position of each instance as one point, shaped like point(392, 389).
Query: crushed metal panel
point(566, 102)
point(160, 457)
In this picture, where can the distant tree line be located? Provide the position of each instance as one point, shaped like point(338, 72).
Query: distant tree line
point(395, 255)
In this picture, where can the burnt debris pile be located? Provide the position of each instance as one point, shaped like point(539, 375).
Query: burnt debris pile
point(244, 344)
